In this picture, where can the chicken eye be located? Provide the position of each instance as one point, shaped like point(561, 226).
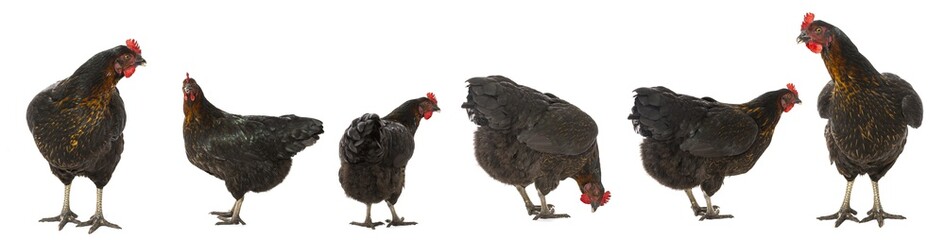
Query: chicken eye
point(818, 30)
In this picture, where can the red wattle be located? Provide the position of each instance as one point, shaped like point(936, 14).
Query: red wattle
point(585, 199)
point(129, 71)
point(427, 115)
point(814, 47)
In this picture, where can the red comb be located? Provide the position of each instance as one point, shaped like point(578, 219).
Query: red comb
point(808, 18)
point(431, 97)
point(131, 43)
point(790, 86)
point(603, 199)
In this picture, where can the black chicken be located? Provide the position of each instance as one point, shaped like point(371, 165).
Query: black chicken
point(693, 141)
point(525, 136)
point(77, 124)
point(374, 152)
point(249, 153)
point(868, 114)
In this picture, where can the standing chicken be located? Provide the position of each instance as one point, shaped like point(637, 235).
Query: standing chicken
point(526, 137)
point(868, 114)
point(77, 124)
point(374, 152)
point(249, 153)
point(693, 141)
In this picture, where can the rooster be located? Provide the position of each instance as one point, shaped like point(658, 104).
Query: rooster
point(868, 114)
point(249, 153)
point(525, 137)
point(78, 123)
point(691, 141)
point(374, 152)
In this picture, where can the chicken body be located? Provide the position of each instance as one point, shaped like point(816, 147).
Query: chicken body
point(692, 142)
point(374, 152)
point(249, 153)
point(527, 137)
point(868, 114)
point(78, 123)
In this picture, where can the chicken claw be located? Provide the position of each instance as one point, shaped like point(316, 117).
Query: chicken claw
point(223, 214)
point(230, 220)
point(97, 221)
point(550, 215)
point(65, 217)
point(842, 215)
point(879, 216)
point(715, 215)
point(367, 224)
point(227, 218)
point(535, 210)
point(700, 211)
point(399, 223)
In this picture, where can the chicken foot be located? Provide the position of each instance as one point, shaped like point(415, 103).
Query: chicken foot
point(845, 212)
point(98, 219)
point(877, 212)
point(696, 209)
point(367, 220)
point(529, 206)
point(66, 216)
point(711, 212)
point(395, 220)
point(233, 216)
point(547, 212)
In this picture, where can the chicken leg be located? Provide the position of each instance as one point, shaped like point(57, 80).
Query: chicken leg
point(395, 220)
point(529, 206)
point(547, 212)
point(711, 212)
point(367, 220)
point(877, 212)
point(845, 213)
point(233, 216)
point(696, 209)
point(98, 219)
point(66, 216)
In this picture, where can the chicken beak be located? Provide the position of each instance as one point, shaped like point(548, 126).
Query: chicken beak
point(139, 61)
point(797, 101)
point(436, 108)
point(594, 206)
point(803, 37)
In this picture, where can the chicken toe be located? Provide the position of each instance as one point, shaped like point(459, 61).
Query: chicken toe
point(700, 211)
point(234, 220)
point(549, 215)
point(880, 216)
point(842, 215)
point(67, 216)
point(97, 220)
point(399, 222)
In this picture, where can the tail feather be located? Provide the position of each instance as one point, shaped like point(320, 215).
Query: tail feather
point(360, 142)
point(495, 101)
point(303, 132)
point(662, 114)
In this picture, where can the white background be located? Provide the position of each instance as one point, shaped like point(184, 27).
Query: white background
point(336, 61)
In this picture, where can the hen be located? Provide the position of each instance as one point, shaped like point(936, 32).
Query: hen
point(249, 153)
point(374, 152)
point(525, 137)
point(868, 114)
point(78, 124)
point(691, 141)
